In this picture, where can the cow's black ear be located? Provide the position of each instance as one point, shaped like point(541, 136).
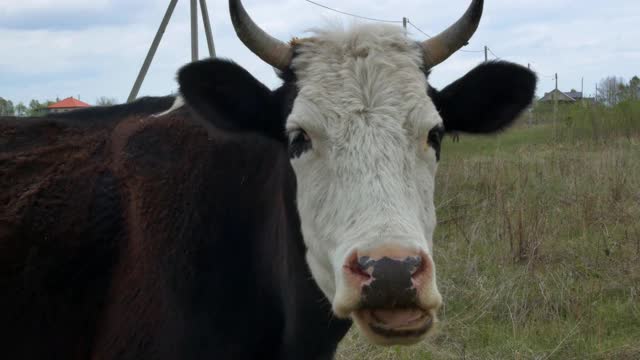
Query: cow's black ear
point(229, 97)
point(487, 99)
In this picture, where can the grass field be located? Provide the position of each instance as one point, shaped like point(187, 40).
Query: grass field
point(538, 244)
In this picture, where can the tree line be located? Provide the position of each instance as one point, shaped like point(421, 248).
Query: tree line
point(7, 108)
point(613, 90)
point(36, 107)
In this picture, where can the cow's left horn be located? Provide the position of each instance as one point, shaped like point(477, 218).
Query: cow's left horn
point(273, 51)
point(440, 47)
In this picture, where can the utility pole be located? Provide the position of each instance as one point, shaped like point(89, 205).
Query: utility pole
point(163, 27)
point(555, 109)
point(404, 25)
point(152, 51)
point(486, 55)
point(530, 109)
point(194, 30)
point(207, 28)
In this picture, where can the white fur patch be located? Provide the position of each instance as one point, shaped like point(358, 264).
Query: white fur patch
point(177, 104)
point(369, 179)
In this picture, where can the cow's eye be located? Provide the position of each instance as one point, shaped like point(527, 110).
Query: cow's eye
point(435, 139)
point(299, 143)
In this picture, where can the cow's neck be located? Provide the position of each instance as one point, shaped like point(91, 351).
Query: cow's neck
point(307, 316)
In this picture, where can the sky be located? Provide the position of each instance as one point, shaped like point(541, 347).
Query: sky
point(89, 49)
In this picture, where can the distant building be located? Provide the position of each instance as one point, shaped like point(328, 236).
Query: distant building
point(65, 105)
point(576, 95)
point(564, 97)
point(560, 96)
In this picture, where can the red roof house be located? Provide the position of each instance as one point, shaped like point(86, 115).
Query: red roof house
point(67, 104)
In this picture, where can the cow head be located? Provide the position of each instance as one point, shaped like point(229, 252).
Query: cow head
point(363, 130)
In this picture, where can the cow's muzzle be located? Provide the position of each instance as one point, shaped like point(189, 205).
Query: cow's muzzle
point(396, 302)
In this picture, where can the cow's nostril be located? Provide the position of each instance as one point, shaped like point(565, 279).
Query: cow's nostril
point(355, 267)
point(415, 265)
point(390, 273)
point(366, 264)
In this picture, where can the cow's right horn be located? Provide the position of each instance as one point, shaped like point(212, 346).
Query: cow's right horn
point(440, 47)
point(273, 51)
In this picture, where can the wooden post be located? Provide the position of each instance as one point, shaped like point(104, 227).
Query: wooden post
point(582, 91)
point(163, 27)
point(530, 118)
point(486, 55)
point(207, 28)
point(555, 110)
point(194, 30)
point(152, 51)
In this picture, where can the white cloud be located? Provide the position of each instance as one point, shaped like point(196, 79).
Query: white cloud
point(576, 38)
point(13, 7)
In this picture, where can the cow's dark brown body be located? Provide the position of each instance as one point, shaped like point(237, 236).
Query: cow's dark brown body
point(135, 237)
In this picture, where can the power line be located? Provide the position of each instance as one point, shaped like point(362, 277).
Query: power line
point(391, 22)
point(417, 28)
point(354, 15)
point(429, 36)
point(492, 53)
point(384, 21)
point(539, 74)
point(545, 76)
point(548, 77)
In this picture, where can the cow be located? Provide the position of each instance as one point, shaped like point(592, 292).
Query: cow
point(238, 222)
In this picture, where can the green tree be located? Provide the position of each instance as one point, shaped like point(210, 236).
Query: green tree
point(611, 90)
point(634, 88)
point(106, 101)
point(6, 107)
point(21, 109)
point(35, 108)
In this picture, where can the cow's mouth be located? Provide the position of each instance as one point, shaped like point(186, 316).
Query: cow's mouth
point(396, 326)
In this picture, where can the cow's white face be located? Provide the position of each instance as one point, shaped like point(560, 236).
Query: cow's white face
point(363, 136)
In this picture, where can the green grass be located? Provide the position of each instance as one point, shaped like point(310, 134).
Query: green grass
point(538, 244)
